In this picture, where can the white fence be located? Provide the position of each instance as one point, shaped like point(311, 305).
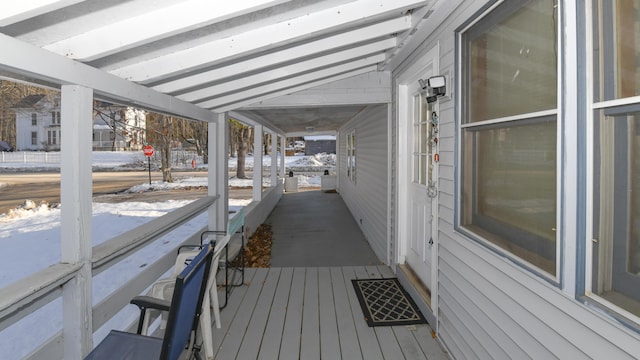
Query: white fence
point(178, 157)
point(27, 157)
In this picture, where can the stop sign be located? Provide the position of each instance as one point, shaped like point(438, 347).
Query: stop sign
point(148, 150)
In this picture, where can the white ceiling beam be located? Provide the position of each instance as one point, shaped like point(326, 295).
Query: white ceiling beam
point(26, 60)
point(294, 81)
point(263, 38)
point(369, 88)
point(12, 11)
point(290, 70)
point(245, 102)
point(253, 121)
point(153, 25)
point(304, 50)
point(311, 133)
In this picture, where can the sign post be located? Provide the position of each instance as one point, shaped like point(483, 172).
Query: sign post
point(148, 152)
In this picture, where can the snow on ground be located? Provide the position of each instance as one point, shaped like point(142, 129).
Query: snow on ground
point(34, 234)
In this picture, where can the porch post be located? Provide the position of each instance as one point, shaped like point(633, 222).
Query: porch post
point(76, 232)
point(283, 150)
point(257, 163)
point(218, 172)
point(274, 159)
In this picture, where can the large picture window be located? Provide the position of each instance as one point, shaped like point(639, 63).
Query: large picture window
point(509, 130)
point(615, 243)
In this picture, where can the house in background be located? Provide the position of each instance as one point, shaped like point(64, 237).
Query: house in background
point(319, 144)
point(38, 123)
point(115, 127)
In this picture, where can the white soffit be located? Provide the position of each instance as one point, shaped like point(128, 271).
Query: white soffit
point(153, 25)
point(215, 58)
point(15, 11)
point(259, 39)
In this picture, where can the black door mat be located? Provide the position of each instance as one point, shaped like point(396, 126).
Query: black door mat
point(385, 303)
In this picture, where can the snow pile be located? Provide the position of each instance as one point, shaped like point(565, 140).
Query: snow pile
point(186, 184)
point(27, 210)
point(313, 163)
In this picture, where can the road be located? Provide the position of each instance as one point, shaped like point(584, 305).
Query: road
point(45, 186)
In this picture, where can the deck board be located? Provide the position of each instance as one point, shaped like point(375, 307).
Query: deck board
point(270, 348)
point(366, 336)
point(290, 347)
point(250, 346)
point(330, 341)
point(231, 344)
point(229, 312)
point(310, 337)
point(349, 344)
point(312, 313)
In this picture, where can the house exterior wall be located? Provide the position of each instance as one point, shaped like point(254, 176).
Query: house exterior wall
point(130, 124)
point(366, 197)
point(313, 147)
point(24, 128)
point(488, 306)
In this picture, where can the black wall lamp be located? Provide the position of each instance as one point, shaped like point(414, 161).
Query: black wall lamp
point(435, 86)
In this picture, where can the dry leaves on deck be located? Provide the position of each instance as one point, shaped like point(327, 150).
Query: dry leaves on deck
point(257, 250)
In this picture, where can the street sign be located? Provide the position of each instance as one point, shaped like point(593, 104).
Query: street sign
point(148, 150)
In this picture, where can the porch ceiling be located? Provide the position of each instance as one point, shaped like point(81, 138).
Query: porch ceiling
point(228, 55)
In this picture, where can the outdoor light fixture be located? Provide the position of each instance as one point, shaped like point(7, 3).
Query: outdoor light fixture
point(423, 84)
point(435, 86)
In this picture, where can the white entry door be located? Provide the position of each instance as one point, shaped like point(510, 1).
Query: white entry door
point(421, 184)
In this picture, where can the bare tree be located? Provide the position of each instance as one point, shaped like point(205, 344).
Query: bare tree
point(196, 134)
point(266, 143)
point(160, 133)
point(242, 136)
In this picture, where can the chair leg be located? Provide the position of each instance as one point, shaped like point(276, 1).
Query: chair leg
point(213, 295)
point(205, 327)
point(141, 321)
point(144, 327)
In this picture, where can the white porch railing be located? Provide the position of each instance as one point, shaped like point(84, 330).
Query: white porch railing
point(30, 294)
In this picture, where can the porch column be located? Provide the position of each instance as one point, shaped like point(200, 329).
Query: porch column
point(274, 159)
point(76, 232)
point(218, 172)
point(257, 163)
point(283, 150)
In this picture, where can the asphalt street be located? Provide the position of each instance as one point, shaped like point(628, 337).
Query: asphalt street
point(107, 187)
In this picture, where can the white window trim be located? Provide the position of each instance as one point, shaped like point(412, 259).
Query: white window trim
point(556, 279)
point(592, 106)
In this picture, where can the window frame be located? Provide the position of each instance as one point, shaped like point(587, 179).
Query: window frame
point(609, 106)
point(350, 146)
point(488, 11)
point(55, 117)
point(52, 137)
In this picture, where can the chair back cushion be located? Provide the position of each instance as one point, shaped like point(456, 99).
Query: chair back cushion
point(186, 303)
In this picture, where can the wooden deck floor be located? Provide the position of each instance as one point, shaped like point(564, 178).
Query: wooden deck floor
point(312, 313)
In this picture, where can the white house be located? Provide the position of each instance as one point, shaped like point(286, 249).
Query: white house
point(37, 123)
point(507, 205)
point(115, 127)
point(118, 127)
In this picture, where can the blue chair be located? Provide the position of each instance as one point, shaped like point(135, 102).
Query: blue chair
point(184, 309)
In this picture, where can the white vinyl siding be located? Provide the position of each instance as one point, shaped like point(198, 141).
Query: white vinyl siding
point(489, 307)
point(367, 197)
